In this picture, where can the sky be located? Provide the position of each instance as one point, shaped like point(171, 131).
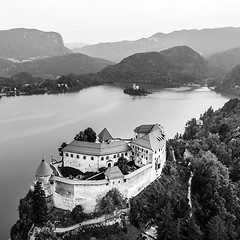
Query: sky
point(94, 21)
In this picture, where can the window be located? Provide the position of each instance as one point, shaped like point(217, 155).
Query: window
point(142, 149)
point(122, 154)
point(142, 156)
point(66, 154)
point(92, 158)
point(126, 153)
point(146, 151)
point(114, 156)
point(84, 157)
point(125, 180)
point(71, 155)
point(118, 155)
point(102, 158)
point(146, 158)
point(107, 157)
point(77, 156)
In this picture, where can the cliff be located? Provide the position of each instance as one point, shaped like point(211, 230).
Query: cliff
point(21, 43)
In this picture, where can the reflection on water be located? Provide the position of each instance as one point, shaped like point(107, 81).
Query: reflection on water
point(35, 126)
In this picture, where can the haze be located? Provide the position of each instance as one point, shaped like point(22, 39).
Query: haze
point(94, 21)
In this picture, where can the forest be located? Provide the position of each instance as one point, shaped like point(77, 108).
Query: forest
point(208, 155)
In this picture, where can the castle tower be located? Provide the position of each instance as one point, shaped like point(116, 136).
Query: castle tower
point(43, 172)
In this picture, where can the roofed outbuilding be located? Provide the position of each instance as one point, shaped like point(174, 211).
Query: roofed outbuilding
point(113, 173)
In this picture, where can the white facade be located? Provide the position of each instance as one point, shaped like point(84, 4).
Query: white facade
point(92, 163)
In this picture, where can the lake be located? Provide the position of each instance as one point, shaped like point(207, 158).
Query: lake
point(33, 127)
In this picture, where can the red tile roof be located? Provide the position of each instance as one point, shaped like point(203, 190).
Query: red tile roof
point(113, 173)
point(97, 148)
point(146, 128)
point(153, 141)
point(43, 169)
point(104, 136)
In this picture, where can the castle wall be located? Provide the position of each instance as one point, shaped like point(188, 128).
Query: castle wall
point(69, 193)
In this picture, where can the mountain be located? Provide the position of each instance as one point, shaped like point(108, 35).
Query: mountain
point(21, 43)
point(206, 42)
point(231, 82)
point(172, 67)
point(5, 66)
point(75, 45)
point(75, 63)
point(226, 60)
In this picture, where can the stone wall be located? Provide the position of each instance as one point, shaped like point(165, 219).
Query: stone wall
point(69, 193)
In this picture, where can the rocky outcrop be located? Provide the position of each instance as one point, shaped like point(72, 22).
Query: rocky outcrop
point(21, 43)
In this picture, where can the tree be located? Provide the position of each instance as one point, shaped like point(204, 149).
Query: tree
point(110, 202)
point(223, 130)
point(191, 129)
point(78, 214)
point(216, 228)
point(88, 135)
point(63, 145)
point(39, 205)
point(122, 163)
point(21, 228)
point(166, 224)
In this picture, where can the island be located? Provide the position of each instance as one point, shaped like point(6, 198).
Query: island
point(135, 90)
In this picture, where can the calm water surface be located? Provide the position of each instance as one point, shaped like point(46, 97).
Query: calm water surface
point(32, 127)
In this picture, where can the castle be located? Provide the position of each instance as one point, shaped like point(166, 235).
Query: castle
point(146, 151)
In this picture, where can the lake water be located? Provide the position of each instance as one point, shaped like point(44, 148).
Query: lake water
point(33, 127)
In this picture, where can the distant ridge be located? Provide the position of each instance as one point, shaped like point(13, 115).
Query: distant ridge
point(205, 41)
point(22, 43)
point(75, 63)
point(75, 45)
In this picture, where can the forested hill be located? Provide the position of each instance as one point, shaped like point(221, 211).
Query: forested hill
point(55, 66)
point(207, 157)
point(231, 82)
point(170, 68)
point(22, 43)
point(226, 60)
